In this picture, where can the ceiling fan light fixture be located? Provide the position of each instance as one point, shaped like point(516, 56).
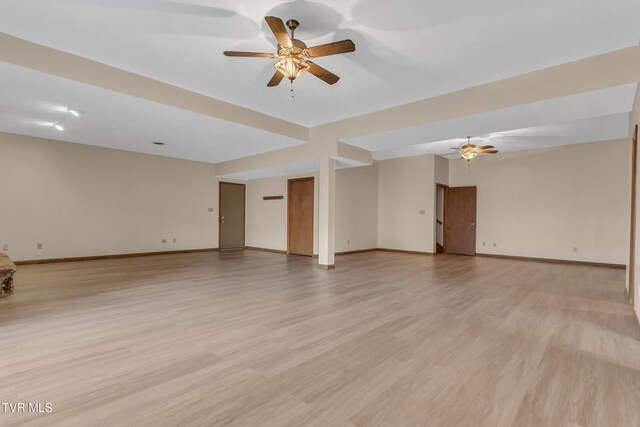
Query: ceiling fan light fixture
point(468, 155)
point(291, 67)
point(469, 151)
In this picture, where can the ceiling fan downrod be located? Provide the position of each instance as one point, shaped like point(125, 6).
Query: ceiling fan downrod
point(292, 24)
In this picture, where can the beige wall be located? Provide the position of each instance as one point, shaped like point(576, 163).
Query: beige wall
point(441, 170)
point(634, 119)
point(406, 186)
point(79, 200)
point(543, 203)
point(266, 224)
point(441, 177)
point(356, 210)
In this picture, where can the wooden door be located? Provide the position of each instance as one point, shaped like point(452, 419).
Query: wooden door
point(232, 216)
point(300, 213)
point(460, 220)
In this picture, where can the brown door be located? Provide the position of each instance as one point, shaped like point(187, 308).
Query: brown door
point(300, 208)
point(460, 220)
point(232, 212)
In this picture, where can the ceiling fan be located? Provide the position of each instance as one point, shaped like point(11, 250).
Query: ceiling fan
point(294, 55)
point(469, 150)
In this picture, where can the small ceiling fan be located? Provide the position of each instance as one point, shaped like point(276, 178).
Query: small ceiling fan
point(470, 151)
point(294, 54)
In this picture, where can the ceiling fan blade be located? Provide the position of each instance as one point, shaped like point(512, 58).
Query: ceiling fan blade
point(488, 151)
point(276, 79)
point(334, 48)
point(279, 30)
point(249, 54)
point(486, 147)
point(324, 75)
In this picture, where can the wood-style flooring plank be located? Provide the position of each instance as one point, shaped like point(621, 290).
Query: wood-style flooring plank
point(261, 339)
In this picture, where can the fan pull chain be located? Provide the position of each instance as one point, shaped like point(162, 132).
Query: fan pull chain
point(292, 93)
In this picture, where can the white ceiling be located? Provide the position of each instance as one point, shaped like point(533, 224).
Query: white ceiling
point(405, 51)
point(604, 102)
point(31, 102)
point(603, 128)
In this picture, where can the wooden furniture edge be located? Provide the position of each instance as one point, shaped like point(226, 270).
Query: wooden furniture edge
point(7, 270)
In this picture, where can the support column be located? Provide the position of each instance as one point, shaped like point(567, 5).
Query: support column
point(327, 213)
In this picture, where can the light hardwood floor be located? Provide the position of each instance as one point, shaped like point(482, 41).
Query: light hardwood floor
point(263, 339)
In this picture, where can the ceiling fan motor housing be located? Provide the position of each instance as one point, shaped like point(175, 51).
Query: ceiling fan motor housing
point(292, 24)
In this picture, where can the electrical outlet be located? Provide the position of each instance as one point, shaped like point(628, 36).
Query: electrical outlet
point(174, 240)
point(484, 243)
point(575, 249)
point(348, 242)
point(495, 245)
point(422, 212)
point(164, 240)
point(39, 246)
point(5, 247)
point(210, 209)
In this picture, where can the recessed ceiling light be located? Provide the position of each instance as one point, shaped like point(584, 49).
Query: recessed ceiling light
point(57, 126)
point(158, 143)
point(76, 113)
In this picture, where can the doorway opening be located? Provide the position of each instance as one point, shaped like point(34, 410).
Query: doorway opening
point(441, 191)
point(231, 234)
point(632, 227)
point(300, 216)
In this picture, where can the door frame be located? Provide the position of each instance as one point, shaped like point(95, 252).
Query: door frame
point(244, 214)
point(445, 188)
point(313, 214)
point(632, 225)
